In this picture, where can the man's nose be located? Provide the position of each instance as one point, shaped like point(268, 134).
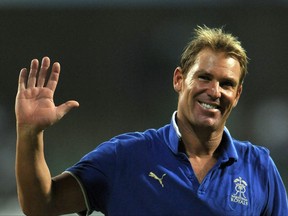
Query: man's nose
point(214, 90)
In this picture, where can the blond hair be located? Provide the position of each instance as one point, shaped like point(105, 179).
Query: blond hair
point(217, 40)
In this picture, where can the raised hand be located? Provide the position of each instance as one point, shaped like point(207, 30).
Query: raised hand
point(34, 105)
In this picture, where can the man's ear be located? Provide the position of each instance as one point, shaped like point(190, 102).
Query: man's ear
point(238, 94)
point(178, 79)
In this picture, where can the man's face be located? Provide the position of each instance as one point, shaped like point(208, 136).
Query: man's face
point(209, 91)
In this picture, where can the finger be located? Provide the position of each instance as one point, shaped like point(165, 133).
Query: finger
point(33, 73)
point(64, 108)
point(43, 72)
point(54, 76)
point(22, 79)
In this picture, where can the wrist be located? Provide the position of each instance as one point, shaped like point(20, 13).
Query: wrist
point(28, 130)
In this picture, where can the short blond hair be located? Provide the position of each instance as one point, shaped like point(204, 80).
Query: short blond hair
point(217, 40)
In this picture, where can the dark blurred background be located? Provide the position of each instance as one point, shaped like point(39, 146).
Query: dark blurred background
point(117, 60)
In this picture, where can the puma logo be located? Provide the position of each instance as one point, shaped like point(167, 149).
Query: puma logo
point(151, 174)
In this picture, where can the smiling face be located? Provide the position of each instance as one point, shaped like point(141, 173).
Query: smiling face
point(209, 91)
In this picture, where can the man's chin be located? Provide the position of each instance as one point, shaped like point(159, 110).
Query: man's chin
point(210, 124)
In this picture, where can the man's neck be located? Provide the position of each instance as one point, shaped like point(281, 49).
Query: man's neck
point(202, 149)
point(199, 142)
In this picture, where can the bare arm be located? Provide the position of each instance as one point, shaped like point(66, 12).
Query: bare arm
point(35, 110)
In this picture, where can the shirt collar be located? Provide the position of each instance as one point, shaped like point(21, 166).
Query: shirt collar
point(175, 126)
point(229, 150)
point(174, 135)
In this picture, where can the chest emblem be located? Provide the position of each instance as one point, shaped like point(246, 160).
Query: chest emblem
point(152, 175)
point(240, 189)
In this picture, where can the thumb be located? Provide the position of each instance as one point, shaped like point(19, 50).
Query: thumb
point(64, 108)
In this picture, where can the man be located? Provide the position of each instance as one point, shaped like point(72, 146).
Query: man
point(191, 166)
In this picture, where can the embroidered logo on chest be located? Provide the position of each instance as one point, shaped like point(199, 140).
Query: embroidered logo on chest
point(240, 189)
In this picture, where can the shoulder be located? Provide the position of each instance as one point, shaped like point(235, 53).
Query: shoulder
point(147, 135)
point(248, 147)
point(132, 140)
point(128, 144)
point(136, 140)
point(251, 152)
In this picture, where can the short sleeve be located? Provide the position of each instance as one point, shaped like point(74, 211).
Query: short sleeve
point(93, 173)
point(277, 197)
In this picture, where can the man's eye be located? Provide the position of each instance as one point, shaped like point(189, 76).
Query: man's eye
point(206, 78)
point(227, 84)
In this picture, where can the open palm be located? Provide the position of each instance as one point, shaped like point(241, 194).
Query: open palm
point(34, 101)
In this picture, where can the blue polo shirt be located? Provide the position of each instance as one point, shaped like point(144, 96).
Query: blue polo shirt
point(145, 174)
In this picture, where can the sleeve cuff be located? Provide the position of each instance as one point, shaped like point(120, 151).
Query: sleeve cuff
point(88, 208)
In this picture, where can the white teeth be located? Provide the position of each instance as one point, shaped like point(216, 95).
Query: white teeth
point(208, 106)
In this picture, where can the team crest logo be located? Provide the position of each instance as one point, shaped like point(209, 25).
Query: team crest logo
point(240, 189)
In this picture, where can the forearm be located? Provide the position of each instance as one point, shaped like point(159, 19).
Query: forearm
point(32, 174)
